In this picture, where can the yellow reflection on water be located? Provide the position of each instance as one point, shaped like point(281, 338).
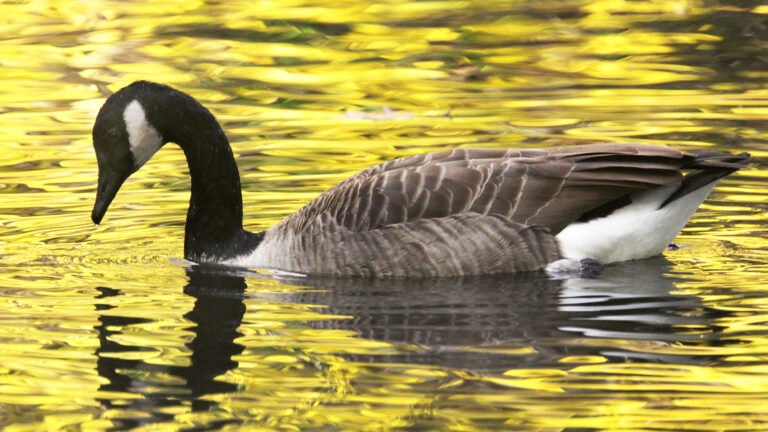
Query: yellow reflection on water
point(99, 328)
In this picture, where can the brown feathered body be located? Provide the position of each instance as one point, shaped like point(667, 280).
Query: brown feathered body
point(474, 211)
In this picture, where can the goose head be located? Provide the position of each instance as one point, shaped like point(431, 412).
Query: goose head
point(134, 123)
point(124, 139)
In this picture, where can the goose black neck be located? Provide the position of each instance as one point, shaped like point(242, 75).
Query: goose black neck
point(214, 228)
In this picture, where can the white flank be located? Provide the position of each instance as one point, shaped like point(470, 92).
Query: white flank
point(272, 253)
point(639, 230)
point(144, 139)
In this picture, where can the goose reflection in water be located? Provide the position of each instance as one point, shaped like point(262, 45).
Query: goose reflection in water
point(488, 323)
point(217, 314)
point(480, 322)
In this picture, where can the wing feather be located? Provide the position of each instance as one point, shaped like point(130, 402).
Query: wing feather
point(548, 187)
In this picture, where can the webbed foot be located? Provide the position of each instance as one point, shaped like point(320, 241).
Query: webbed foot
point(569, 268)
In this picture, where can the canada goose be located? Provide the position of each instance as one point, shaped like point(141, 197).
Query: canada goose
point(447, 213)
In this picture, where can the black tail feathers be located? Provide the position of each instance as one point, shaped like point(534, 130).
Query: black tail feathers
point(708, 167)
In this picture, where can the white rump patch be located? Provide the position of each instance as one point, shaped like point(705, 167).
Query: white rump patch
point(636, 231)
point(144, 139)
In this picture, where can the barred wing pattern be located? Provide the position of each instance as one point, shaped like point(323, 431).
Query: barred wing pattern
point(550, 187)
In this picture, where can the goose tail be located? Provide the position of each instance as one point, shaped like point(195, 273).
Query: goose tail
point(708, 167)
point(646, 222)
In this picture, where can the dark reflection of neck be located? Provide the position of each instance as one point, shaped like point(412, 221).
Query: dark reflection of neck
point(217, 314)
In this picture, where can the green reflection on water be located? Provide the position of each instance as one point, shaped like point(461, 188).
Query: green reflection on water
point(99, 329)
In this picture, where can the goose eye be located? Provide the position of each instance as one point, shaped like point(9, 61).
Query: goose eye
point(113, 133)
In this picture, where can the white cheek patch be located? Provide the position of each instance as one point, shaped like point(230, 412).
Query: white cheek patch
point(144, 139)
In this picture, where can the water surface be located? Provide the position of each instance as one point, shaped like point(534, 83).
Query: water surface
point(107, 328)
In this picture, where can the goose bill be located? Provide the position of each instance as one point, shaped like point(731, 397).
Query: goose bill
point(109, 184)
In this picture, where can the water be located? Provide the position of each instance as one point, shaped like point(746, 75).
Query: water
point(107, 328)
